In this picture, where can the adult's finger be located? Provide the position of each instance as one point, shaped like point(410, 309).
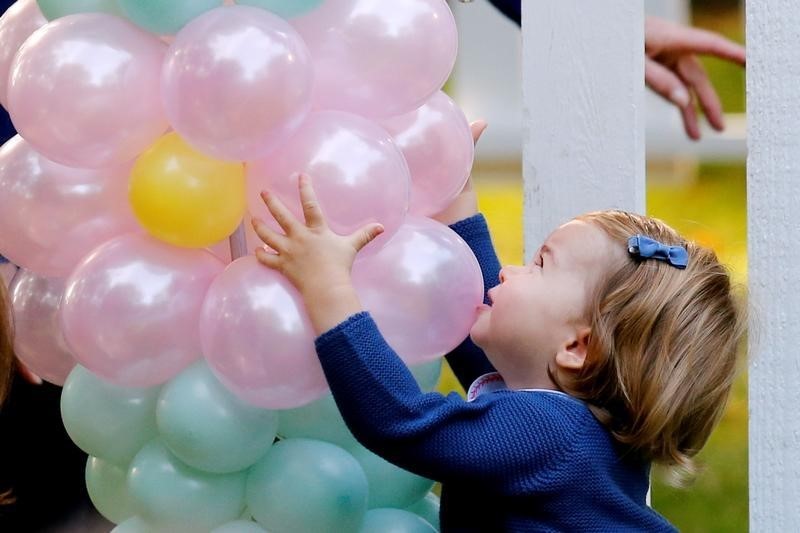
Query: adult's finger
point(666, 83)
point(690, 122)
point(281, 213)
point(692, 71)
point(699, 41)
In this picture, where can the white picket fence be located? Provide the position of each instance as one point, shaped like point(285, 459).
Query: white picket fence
point(584, 148)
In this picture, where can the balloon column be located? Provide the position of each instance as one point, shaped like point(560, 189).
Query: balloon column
point(147, 129)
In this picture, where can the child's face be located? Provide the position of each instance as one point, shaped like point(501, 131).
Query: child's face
point(540, 309)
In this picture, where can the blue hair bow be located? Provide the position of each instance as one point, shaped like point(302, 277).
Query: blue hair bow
point(3, 260)
point(647, 248)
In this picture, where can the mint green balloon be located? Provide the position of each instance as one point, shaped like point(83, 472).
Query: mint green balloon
point(106, 420)
point(209, 428)
point(53, 9)
point(240, 526)
point(307, 486)
point(107, 485)
point(427, 374)
point(394, 521)
point(165, 17)
point(284, 8)
point(389, 485)
point(173, 495)
point(427, 508)
point(319, 420)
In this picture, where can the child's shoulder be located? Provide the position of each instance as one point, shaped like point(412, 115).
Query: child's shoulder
point(560, 415)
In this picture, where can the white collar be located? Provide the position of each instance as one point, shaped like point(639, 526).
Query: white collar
point(494, 382)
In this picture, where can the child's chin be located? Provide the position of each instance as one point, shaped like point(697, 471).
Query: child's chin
point(479, 329)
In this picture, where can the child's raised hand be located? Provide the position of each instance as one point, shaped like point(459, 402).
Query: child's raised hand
point(313, 258)
point(466, 203)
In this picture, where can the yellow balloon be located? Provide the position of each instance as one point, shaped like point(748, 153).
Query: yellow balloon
point(184, 197)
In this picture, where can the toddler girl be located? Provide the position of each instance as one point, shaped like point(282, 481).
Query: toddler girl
point(614, 348)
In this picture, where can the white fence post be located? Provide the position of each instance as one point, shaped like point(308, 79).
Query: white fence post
point(773, 73)
point(583, 110)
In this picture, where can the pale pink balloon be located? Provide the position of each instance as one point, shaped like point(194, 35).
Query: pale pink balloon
point(237, 80)
point(257, 338)
point(131, 309)
point(423, 289)
point(51, 216)
point(38, 339)
point(17, 24)
point(222, 250)
point(437, 143)
point(358, 173)
point(379, 58)
point(84, 90)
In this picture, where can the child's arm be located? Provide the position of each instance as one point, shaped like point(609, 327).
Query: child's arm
point(467, 360)
point(435, 436)
point(440, 437)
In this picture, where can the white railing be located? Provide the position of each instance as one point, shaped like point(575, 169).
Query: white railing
point(488, 76)
point(773, 73)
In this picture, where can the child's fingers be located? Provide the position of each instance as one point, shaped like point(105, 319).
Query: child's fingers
point(268, 259)
point(308, 198)
point(280, 212)
point(477, 128)
point(365, 235)
point(269, 236)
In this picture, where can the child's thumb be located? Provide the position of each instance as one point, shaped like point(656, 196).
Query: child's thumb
point(477, 128)
point(366, 235)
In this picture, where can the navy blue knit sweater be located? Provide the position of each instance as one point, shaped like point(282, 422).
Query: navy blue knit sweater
point(509, 460)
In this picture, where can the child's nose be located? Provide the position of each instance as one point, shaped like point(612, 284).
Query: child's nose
point(507, 271)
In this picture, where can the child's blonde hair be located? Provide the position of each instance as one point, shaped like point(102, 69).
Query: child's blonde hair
point(661, 359)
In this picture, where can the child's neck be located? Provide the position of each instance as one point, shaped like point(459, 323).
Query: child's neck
point(515, 381)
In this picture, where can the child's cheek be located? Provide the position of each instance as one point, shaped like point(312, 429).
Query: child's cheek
point(480, 329)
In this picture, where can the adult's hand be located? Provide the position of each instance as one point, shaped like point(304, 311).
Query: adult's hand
point(673, 70)
point(671, 65)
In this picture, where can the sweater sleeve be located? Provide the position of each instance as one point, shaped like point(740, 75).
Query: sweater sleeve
point(467, 360)
point(439, 437)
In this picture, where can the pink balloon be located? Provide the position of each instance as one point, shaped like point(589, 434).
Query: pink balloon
point(423, 289)
point(236, 81)
point(437, 143)
point(51, 216)
point(84, 90)
point(17, 24)
point(222, 250)
point(379, 58)
point(359, 174)
point(131, 309)
point(258, 340)
point(38, 340)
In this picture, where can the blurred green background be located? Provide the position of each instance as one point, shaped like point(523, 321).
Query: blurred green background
point(706, 202)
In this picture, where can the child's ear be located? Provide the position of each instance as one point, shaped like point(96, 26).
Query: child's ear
point(572, 354)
